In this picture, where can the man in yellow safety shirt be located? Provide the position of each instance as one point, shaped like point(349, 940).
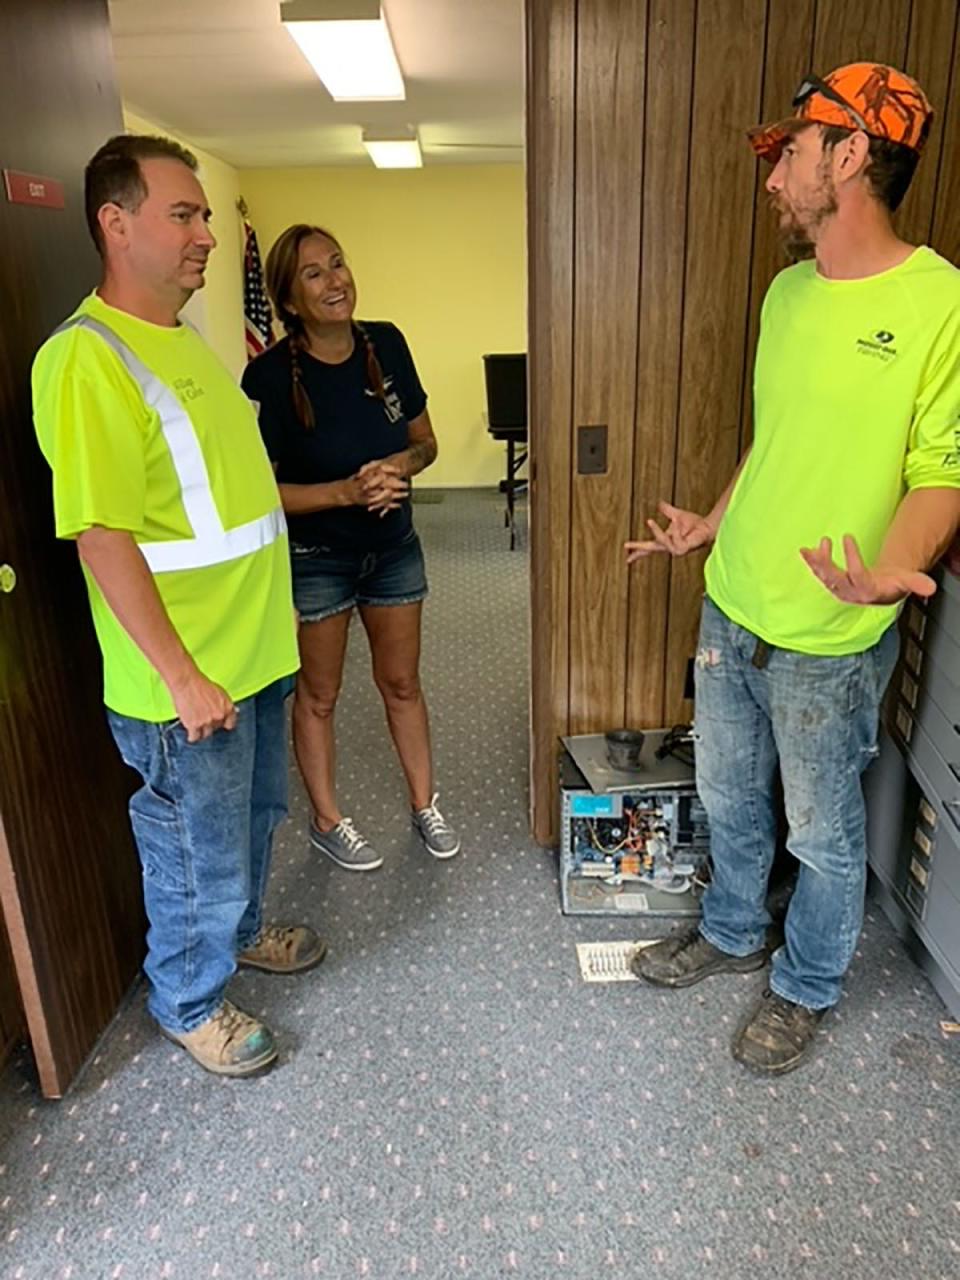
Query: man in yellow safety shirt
point(856, 454)
point(160, 476)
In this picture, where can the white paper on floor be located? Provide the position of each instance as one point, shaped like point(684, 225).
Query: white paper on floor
point(608, 961)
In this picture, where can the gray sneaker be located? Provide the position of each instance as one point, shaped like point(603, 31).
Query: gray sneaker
point(346, 846)
point(435, 831)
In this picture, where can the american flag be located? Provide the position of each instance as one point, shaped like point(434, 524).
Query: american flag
point(256, 307)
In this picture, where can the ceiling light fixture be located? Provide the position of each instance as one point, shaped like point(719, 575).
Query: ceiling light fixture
point(348, 44)
point(394, 150)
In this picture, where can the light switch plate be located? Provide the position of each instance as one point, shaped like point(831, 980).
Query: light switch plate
point(591, 451)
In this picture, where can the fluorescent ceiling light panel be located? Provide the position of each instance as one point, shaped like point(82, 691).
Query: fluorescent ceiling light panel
point(394, 153)
point(354, 58)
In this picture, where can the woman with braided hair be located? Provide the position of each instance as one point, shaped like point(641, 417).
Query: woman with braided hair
point(345, 422)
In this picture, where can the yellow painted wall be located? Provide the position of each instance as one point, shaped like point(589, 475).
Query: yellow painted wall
point(440, 252)
point(217, 309)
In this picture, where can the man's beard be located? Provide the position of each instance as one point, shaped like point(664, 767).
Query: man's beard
point(796, 243)
point(798, 234)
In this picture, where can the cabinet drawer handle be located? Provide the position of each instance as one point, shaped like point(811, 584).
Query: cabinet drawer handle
point(926, 811)
point(910, 689)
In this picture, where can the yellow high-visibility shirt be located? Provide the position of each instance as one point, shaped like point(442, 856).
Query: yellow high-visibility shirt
point(857, 401)
point(146, 431)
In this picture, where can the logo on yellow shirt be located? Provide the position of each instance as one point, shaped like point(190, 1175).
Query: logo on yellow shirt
point(878, 345)
point(187, 389)
point(951, 460)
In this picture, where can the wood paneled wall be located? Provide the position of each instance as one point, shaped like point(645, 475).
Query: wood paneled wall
point(651, 247)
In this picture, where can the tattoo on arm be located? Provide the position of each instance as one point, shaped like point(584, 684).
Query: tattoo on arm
point(421, 453)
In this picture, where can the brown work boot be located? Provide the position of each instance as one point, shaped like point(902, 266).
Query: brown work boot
point(686, 957)
point(290, 948)
point(231, 1043)
point(776, 1035)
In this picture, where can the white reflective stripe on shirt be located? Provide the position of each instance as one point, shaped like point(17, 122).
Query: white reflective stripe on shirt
point(211, 543)
point(230, 544)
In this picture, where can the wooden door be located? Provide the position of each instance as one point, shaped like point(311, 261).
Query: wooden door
point(69, 877)
point(11, 1010)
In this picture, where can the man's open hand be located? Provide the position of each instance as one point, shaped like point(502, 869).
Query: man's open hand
point(856, 584)
point(685, 532)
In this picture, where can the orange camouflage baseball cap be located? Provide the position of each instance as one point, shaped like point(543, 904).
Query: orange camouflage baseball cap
point(880, 100)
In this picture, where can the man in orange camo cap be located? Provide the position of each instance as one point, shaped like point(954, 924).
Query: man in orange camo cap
point(856, 444)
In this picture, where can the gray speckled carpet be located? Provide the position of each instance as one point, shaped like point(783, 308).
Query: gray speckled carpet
point(452, 1100)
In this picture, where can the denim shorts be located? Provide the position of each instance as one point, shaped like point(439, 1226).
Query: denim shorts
point(328, 580)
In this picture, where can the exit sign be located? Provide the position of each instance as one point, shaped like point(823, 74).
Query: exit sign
point(32, 188)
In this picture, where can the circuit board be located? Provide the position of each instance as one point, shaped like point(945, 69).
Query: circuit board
point(644, 853)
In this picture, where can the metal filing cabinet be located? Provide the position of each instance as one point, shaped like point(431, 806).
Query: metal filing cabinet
point(913, 790)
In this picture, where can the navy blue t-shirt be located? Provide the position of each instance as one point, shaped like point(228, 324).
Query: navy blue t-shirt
point(353, 426)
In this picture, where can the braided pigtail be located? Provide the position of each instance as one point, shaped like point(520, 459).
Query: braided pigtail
point(374, 372)
point(301, 401)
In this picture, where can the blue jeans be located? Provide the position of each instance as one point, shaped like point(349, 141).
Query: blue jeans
point(818, 718)
point(204, 821)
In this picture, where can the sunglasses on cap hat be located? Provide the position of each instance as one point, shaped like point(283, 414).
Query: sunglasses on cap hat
point(813, 84)
point(890, 105)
